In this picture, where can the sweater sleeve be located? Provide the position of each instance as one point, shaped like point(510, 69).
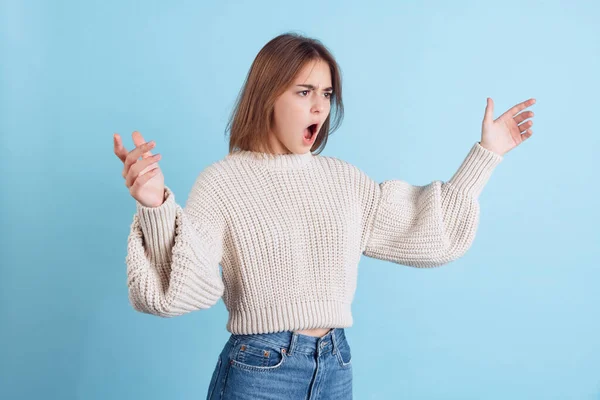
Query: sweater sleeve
point(430, 225)
point(173, 254)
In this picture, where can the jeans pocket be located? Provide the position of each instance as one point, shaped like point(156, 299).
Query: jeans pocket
point(256, 355)
point(344, 354)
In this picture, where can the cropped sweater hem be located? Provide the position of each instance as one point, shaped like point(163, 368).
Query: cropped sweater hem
point(291, 316)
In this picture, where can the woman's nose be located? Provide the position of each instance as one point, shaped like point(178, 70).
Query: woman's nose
point(319, 104)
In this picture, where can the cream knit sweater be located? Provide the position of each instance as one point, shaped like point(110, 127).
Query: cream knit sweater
point(288, 231)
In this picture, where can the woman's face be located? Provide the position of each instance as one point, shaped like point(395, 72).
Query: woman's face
point(307, 101)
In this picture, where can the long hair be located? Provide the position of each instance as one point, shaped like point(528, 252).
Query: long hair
point(271, 73)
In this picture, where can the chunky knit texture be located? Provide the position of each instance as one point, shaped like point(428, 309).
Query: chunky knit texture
point(288, 231)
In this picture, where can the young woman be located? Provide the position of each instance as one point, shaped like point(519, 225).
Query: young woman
point(288, 227)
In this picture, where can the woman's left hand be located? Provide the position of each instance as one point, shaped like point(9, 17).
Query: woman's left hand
point(505, 133)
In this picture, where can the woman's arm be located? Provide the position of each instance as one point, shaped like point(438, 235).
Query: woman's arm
point(431, 225)
point(173, 254)
point(428, 226)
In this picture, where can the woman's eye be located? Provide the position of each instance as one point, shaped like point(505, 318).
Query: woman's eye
point(328, 94)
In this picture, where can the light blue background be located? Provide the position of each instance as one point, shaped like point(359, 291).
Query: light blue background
point(515, 318)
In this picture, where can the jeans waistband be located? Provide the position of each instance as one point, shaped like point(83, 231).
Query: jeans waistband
point(296, 342)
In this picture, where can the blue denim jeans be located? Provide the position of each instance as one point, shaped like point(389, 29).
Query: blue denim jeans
point(283, 365)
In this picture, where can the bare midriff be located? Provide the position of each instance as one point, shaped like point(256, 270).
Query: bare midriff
point(319, 332)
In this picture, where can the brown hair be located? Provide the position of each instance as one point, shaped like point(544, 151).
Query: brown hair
point(272, 72)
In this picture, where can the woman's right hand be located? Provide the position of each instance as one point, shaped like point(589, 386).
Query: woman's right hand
point(143, 177)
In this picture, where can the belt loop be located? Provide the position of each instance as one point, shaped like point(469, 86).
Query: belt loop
point(334, 339)
point(234, 340)
point(292, 343)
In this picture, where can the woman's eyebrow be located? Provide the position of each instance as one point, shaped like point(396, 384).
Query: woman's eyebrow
point(312, 87)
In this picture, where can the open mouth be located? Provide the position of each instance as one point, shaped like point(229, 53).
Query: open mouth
point(310, 131)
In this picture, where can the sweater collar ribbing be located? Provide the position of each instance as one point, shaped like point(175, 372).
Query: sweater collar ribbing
point(273, 161)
